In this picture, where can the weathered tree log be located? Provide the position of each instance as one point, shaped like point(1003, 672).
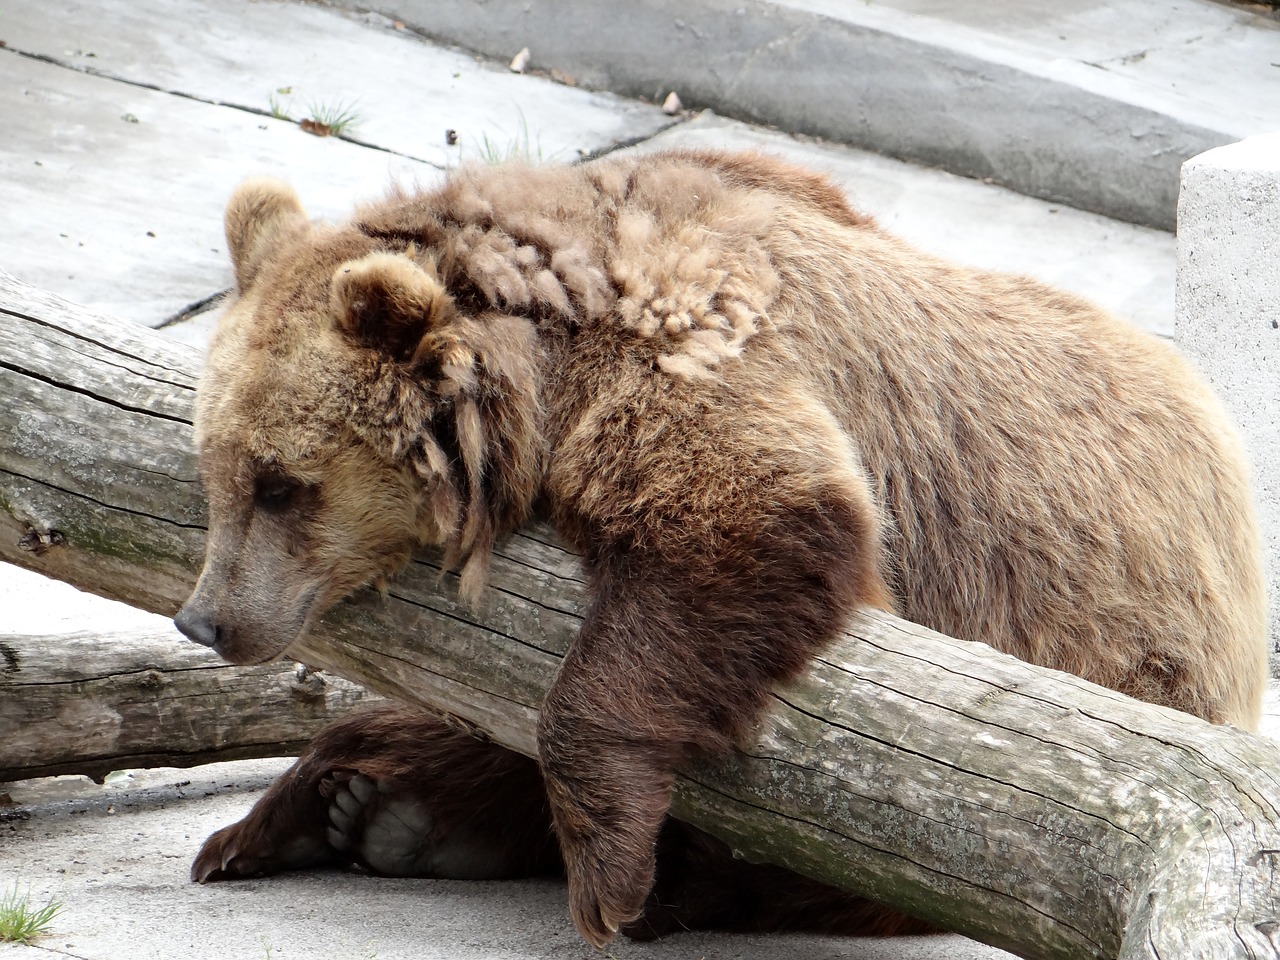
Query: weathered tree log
point(1021, 806)
point(90, 703)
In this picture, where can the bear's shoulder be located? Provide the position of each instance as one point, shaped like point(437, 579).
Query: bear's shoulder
point(674, 249)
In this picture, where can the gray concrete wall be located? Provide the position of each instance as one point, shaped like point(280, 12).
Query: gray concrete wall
point(1227, 309)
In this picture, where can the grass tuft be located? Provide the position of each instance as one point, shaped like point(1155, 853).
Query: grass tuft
point(333, 119)
point(20, 922)
point(523, 147)
point(278, 110)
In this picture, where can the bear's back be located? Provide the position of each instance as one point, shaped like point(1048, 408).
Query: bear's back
point(1058, 484)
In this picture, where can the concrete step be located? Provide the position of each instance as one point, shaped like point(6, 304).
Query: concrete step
point(1094, 103)
point(130, 122)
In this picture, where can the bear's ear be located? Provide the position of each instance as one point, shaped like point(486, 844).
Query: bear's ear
point(260, 213)
point(387, 302)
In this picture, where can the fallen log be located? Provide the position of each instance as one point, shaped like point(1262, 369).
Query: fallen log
point(1023, 807)
point(90, 703)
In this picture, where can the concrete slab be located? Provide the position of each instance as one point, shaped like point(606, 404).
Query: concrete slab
point(114, 185)
point(1089, 102)
point(1126, 268)
point(406, 93)
point(1182, 58)
point(113, 194)
point(33, 604)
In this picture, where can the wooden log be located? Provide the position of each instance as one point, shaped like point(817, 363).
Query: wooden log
point(1020, 806)
point(90, 703)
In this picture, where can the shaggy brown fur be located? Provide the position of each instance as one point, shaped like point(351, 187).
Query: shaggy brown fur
point(753, 412)
point(495, 794)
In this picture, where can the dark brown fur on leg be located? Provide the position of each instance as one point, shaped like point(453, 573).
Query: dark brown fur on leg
point(285, 830)
point(678, 653)
point(470, 788)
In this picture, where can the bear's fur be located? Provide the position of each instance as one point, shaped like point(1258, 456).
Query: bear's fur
point(753, 412)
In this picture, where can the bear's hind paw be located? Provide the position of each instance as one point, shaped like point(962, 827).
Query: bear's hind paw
point(386, 833)
point(218, 859)
point(243, 850)
point(390, 831)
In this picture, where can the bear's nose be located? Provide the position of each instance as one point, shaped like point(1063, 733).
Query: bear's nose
point(198, 628)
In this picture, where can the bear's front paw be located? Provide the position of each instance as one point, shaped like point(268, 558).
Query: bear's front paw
point(609, 881)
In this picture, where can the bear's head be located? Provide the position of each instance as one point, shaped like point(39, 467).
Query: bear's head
point(348, 412)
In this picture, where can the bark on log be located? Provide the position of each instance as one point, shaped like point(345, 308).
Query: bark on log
point(1020, 806)
point(90, 703)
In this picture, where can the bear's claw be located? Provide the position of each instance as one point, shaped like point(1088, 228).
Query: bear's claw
point(605, 899)
point(219, 858)
point(251, 848)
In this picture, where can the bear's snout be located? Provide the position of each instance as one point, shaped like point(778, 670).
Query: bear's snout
point(195, 626)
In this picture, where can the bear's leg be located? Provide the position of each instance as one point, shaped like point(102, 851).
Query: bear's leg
point(678, 653)
point(397, 793)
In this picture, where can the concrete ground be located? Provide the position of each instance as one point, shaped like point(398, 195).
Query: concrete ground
point(127, 122)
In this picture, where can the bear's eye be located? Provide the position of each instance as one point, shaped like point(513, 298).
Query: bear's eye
point(275, 493)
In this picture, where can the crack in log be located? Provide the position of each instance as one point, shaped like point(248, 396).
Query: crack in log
point(1180, 748)
point(973, 802)
point(120, 676)
point(61, 344)
point(897, 854)
point(419, 668)
point(898, 747)
point(1082, 749)
point(112, 507)
point(848, 786)
point(498, 552)
point(113, 348)
point(534, 601)
point(81, 391)
point(486, 628)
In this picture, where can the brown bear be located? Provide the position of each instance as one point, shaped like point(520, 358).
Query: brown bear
point(752, 412)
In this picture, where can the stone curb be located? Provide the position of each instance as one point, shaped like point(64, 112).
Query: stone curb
point(982, 102)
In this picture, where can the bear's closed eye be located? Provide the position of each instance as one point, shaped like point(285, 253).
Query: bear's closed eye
point(275, 492)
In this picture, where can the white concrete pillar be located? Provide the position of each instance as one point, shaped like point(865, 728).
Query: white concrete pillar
point(1227, 309)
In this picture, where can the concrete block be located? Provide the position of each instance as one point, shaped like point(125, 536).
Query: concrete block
point(1227, 309)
